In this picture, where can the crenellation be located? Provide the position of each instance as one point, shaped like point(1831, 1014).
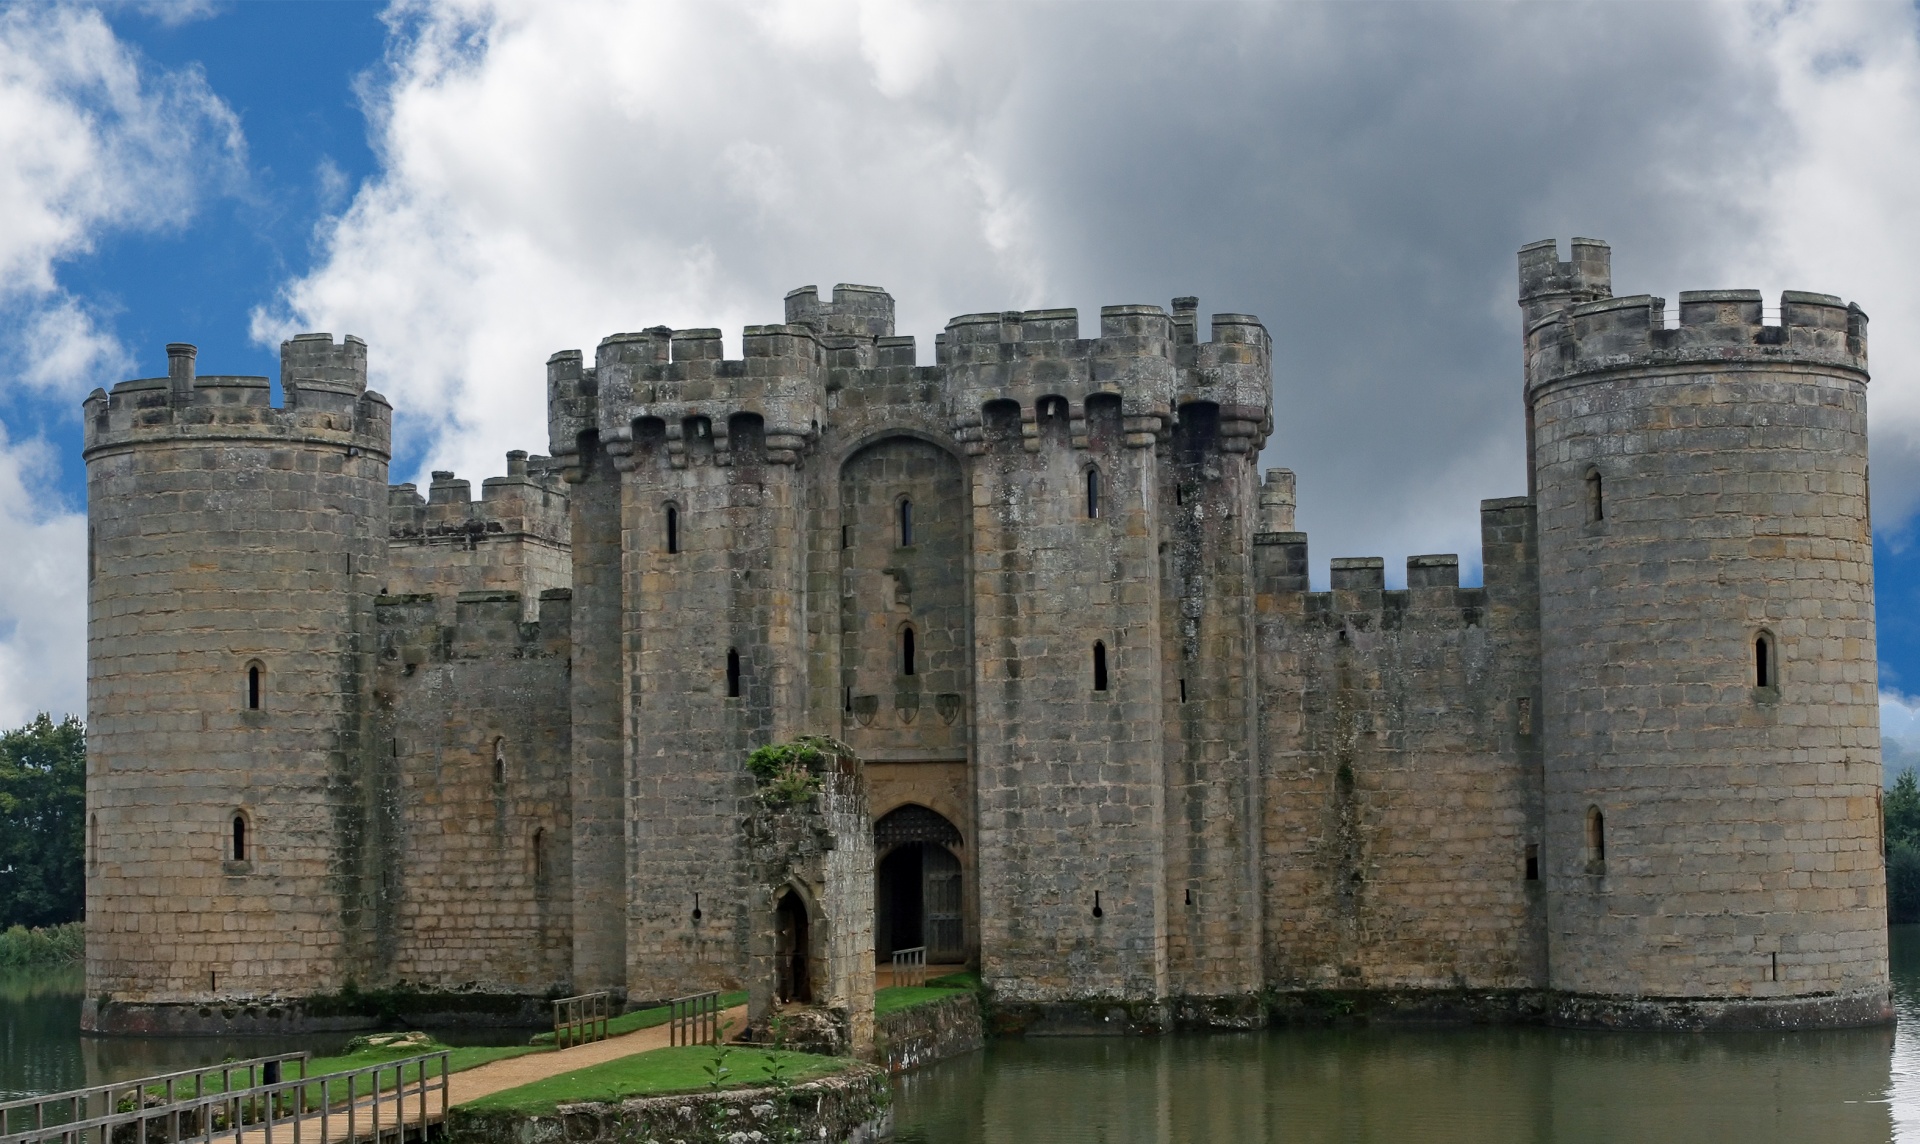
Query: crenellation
point(1104, 741)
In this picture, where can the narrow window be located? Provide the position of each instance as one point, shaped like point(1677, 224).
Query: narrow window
point(1596, 837)
point(1183, 691)
point(539, 854)
point(499, 760)
point(1093, 494)
point(673, 530)
point(733, 674)
point(906, 523)
point(1533, 862)
point(1596, 506)
point(93, 842)
point(1099, 666)
point(239, 838)
point(253, 687)
point(845, 536)
point(1765, 670)
point(906, 651)
point(846, 699)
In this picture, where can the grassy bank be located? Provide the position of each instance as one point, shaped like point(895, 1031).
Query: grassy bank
point(898, 997)
point(23, 948)
point(661, 1072)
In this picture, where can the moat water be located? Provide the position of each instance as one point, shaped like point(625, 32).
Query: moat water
point(1484, 1086)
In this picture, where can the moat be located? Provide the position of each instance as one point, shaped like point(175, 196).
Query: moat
point(1487, 1086)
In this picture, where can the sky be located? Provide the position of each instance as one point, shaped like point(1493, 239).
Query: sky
point(472, 185)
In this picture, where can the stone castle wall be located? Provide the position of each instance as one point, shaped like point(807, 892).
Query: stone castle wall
point(232, 549)
point(507, 736)
point(475, 826)
point(1399, 769)
point(514, 539)
point(1708, 654)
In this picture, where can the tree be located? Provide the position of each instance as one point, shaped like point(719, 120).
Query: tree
point(43, 807)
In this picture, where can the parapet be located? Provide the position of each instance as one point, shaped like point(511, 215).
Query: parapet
point(1277, 501)
point(674, 386)
point(1548, 284)
point(326, 402)
point(1144, 357)
point(1715, 326)
point(486, 625)
point(529, 502)
point(856, 311)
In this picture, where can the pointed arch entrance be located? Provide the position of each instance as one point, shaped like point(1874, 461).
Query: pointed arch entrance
point(918, 895)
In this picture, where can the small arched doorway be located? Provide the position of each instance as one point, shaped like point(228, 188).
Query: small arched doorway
point(917, 888)
point(793, 975)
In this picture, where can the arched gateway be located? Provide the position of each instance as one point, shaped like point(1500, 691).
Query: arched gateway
point(917, 887)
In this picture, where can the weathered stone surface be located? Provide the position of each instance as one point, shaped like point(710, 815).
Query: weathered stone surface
point(852, 1108)
point(1138, 771)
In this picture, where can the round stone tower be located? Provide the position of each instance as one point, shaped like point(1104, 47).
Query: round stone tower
point(234, 550)
point(1707, 638)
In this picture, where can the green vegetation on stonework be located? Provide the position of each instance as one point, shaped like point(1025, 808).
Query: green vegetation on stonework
point(1901, 828)
point(897, 997)
point(43, 810)
point(790, 772)
point(23, 948)
point(645, 1018)
point(660, 1072)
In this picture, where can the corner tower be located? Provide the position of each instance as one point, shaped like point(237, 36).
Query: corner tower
point(1707, 654)
point(234, 549)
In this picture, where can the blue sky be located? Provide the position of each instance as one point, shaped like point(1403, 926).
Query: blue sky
point(471, 185)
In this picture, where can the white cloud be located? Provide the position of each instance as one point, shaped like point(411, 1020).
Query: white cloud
point(1359, 175)
point(89, 142)
point(1839, 213)
point(43, 589)
point(556, 173)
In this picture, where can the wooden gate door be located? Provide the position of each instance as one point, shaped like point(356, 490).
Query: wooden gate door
point(940, 882)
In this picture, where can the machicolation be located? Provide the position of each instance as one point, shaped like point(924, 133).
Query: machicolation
point(1095, 731)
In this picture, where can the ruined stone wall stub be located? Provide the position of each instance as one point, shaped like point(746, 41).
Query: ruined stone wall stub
point(226, 534)
point(1711, 835)
point(1070, 779)
point(1207, 504)
point(1399, 797)
point(821, 849)
point(475, 718)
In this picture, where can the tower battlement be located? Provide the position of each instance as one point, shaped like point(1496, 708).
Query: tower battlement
point(531, 499)
point(676, 385)
point(855, 311)
point(1715, 326)
point(326, 402)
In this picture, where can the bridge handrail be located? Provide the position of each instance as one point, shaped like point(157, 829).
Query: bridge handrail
point(261, 1108)
point(581, 1020)
point(694, 1019)
point(78, 1100)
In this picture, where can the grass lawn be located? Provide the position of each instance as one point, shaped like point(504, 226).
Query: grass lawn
point(646, 1018)
point(897, 997)
point(458, 1060)
point(658, 1073)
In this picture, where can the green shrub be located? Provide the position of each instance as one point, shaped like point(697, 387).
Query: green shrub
point(21, 947)
point(790, 773)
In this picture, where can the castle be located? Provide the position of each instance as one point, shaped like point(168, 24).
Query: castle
point(1119, 755)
